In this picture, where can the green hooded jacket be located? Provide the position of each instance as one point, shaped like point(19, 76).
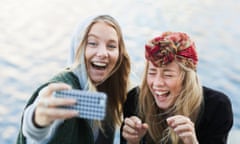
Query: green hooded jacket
point(72, 131)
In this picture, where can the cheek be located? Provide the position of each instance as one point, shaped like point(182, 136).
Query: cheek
point(88, 53)
point(114, 57)
point(149, 82)
point(176, 87)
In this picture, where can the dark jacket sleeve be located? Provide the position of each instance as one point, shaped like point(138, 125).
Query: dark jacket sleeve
point(217, 118)
point(66, 77)
point(130, 108)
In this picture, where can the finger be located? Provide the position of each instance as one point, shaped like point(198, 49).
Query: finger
point(186, 122)
point(145, 126)
point(136, 120)
point(185, 134)
point(183, 128)
point(55, 102)
point(45, 115)
point(143, 130)
point(58, 86)
point(48, 90)
point(178, 120)
point(57, 113)
point(172, 118)
point(129, 130)
point(129, 122)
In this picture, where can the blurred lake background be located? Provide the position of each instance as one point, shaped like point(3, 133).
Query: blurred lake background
point(35, 39)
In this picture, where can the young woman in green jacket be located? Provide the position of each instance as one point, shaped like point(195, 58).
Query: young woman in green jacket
point(101, 64)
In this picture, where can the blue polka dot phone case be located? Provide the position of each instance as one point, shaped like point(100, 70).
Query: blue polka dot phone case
point(91, 105)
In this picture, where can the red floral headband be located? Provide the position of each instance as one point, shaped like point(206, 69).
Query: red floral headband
point(172, 46)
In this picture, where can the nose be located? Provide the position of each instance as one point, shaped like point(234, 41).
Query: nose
point(158, 81)
point(102, 51)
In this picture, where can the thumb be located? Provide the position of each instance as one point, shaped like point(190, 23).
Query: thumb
point(145, 126)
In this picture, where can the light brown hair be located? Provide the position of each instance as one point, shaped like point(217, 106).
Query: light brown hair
point(187, 104)
point(116, 84)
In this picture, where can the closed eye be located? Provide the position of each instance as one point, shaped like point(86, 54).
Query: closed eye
point(112, 46)
point(169, 76)
point(92, 43)
point(152, 72)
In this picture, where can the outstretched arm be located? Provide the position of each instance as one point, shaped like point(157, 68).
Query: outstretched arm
point(41, 118)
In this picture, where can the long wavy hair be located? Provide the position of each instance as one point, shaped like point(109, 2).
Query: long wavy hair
point(187, 103)
point(116, 84)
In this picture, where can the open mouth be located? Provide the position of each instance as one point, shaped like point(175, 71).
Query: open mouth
point(162, 94)
point(99, 65)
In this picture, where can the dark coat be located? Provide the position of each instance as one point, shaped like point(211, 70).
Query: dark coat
point(214, 122)
point(71, 131)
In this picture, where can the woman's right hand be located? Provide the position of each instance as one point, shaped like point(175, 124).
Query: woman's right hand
point(47, 107)
point(134, 129)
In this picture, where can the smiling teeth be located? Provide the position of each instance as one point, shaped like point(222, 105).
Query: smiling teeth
point(160, 93)
point(99, 64)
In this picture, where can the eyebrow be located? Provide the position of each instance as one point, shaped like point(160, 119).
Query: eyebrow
point(168, 69)
point(164, 69)
point(95, 36)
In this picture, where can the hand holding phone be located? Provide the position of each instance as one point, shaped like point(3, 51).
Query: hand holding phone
point(91, 105)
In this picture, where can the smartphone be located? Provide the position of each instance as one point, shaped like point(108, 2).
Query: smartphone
point(91, 105)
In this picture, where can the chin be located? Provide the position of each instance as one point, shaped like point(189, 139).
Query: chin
point(163, 106)
point(98, 80)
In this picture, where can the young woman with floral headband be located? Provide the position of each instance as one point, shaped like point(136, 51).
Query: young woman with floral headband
point(173, 106)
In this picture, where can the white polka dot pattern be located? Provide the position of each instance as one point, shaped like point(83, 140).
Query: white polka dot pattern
point(91, 105)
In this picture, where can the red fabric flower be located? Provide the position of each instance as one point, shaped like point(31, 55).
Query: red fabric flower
point(169, 46)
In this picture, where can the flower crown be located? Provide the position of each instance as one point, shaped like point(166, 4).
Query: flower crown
point(171, 46)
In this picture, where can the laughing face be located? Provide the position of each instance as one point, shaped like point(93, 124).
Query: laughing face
point(102, 51)
point(164, 83)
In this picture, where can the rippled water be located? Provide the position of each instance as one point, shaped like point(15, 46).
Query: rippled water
point(35, 37)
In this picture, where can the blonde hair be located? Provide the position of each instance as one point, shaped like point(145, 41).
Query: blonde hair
point(115, 85)
point(187, 103)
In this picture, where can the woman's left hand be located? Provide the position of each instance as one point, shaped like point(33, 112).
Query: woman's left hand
point(184, 128)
